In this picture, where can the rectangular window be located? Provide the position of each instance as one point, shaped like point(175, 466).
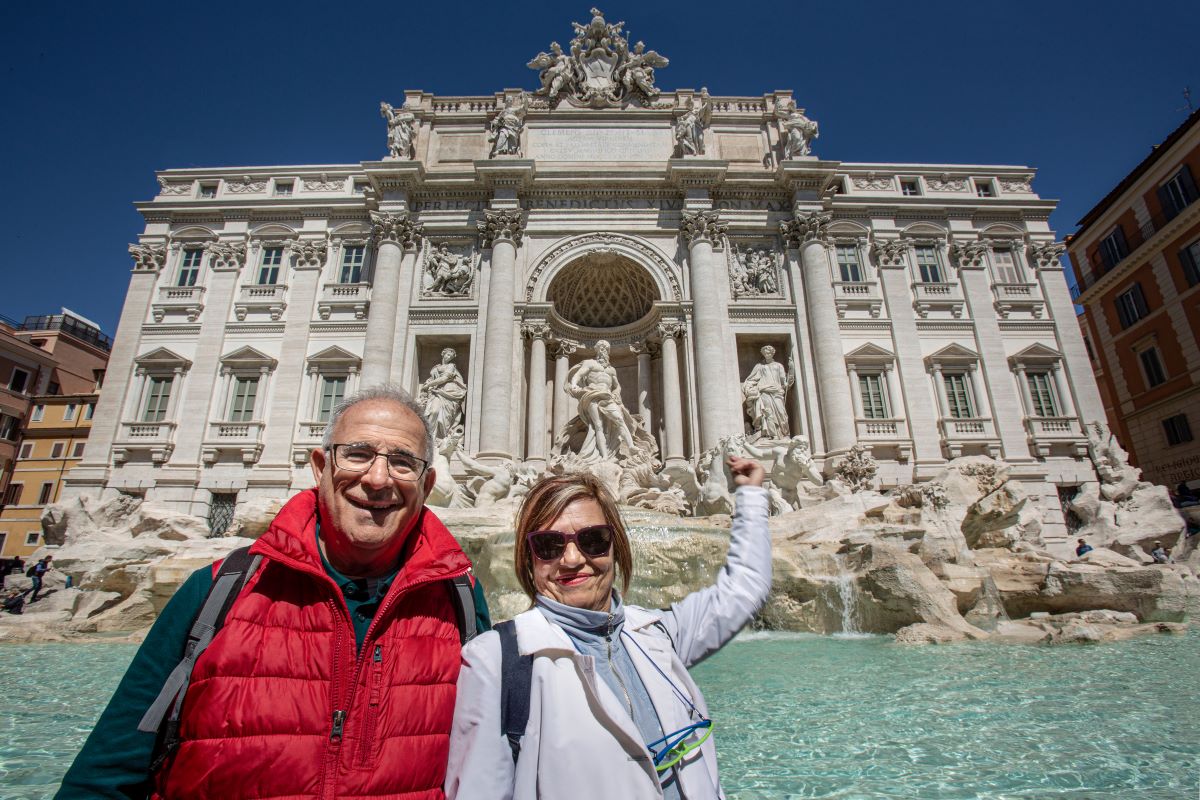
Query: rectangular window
point(1152, 367)
point(1189, 257)
point(910, 187)
point(245, 392)
point(1178, 193)
point(958, 394)
point(874, 399)
point(18, 381)
point(268, 270)
point(1113, 248)
point(332, 392)
point(44, 494)
point(1041, 392)
point(360, 187)
point(32, 538)
point(69, 411)
point(1005, 264)
point(927, 263)
point(352, 264)
point(208, 191)
point(56, 450)
point(9, 427)
point(1131, 305)
point(77, 449)
point(848, 263)
point(26, 450)
point(12, 497)
point(39, 413)
point(1177, 429)
point(158, 396)
point(984, 188)
point(89, 410)
point(189, 267)
point(284, 188)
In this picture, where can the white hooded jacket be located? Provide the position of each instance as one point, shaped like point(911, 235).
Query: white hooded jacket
point(580, 742)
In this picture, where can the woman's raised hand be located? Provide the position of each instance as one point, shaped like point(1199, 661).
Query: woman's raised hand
point(746, 471)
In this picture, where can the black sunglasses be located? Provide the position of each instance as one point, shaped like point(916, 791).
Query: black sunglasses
point(593, 542)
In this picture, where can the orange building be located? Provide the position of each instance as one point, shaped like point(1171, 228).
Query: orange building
point(52, 442)
point(1136, 258)
point(51, 367)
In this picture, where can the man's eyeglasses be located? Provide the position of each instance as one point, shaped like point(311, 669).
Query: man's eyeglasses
point(593, 542)
point(674, 747)
point(360, 458)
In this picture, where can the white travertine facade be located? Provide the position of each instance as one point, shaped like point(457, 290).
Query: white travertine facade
point(918, 309)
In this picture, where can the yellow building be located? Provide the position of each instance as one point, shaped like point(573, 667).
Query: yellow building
point(54, 437)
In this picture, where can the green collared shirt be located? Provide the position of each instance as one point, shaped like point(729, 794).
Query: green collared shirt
point(363, 595)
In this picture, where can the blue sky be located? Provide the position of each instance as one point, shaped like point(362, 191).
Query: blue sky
point(99, 95)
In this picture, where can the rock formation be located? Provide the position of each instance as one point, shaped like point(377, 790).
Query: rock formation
point(961, 557)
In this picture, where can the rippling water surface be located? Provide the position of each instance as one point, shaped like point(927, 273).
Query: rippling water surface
point(811, 717)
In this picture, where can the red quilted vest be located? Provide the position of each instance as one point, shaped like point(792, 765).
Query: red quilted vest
point(258, 718)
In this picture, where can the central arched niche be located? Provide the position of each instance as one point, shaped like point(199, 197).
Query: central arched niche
point(602, 290)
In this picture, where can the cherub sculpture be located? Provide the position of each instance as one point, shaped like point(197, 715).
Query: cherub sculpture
point(557, 71)
point(637, 73)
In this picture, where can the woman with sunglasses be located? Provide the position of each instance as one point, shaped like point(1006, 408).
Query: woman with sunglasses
point(613, 712)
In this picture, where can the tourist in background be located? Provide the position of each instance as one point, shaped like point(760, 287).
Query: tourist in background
point(612, 711)
point(1160, 554)
point(39, 576)
point(1083, 547)
point(8, 566)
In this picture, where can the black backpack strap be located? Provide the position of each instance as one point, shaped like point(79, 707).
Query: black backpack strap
point(516, 679)
point(462, 592)
point(163, 714)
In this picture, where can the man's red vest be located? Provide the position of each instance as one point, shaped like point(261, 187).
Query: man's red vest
point(281, 706)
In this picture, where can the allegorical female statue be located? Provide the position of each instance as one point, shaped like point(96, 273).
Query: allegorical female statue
point(442, 395)
point(764, 391)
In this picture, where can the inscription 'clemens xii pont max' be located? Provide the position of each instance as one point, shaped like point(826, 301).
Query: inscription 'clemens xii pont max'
point(606, 203)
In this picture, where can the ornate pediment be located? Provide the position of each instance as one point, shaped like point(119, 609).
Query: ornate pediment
point(1036, 354)
point(246, 357)
point(162, 358)
point(601, 69)
point(953, 354)
point(334, 356)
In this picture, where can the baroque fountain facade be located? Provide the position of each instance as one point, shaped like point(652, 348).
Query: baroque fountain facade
point(598, 274)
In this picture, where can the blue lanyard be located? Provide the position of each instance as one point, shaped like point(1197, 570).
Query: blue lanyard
point(686, 701)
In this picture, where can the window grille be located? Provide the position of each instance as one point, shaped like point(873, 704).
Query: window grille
point(220, 512)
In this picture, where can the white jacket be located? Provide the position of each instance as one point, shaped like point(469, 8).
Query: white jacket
point(580, 742)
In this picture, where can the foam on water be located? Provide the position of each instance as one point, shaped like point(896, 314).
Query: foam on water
point(807, 716)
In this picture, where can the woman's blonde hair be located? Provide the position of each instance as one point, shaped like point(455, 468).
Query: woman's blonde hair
point(546, 501)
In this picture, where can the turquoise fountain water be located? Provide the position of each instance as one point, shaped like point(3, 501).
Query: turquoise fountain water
point(805, 716)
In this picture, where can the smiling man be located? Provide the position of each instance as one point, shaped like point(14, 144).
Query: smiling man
point(334, 672)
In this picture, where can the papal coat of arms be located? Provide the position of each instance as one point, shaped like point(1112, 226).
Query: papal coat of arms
point(601, 70)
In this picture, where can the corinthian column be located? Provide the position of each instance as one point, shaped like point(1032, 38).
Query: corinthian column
point(699, 228)
point(391, 234)
point(535, 411)
point(501, 231)
point(561, 403)
point(672, 405)
point(808, 232)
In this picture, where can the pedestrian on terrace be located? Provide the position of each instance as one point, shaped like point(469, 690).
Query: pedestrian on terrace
point(1083, 547)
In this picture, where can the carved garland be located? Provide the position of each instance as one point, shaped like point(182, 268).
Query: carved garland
point(602, 242)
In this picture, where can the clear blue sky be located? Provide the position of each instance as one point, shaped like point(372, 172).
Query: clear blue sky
point(98, 95)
